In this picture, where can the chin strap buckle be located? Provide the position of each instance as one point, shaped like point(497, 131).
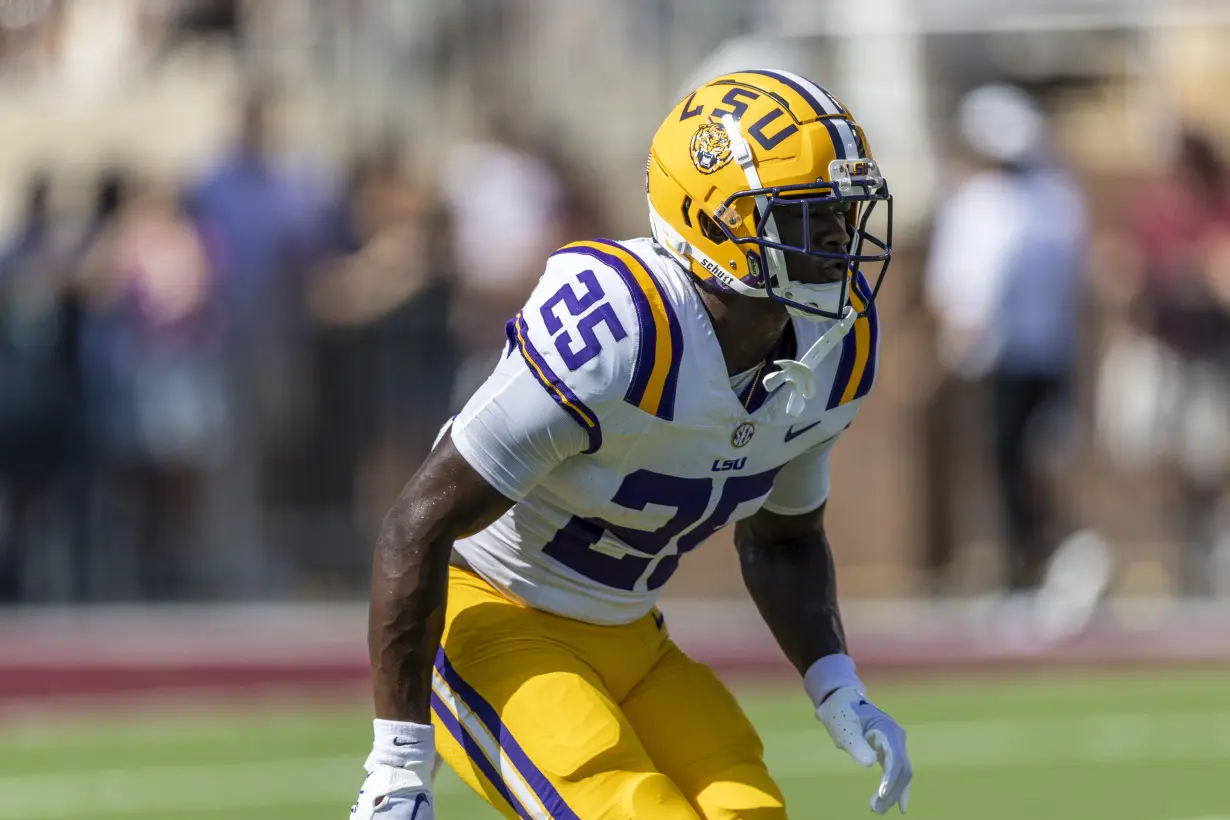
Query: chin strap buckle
point(799, 377)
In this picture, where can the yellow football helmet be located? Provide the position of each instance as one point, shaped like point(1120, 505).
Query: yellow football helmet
point(737, 154)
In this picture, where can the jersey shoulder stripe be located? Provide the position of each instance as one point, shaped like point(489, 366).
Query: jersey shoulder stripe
point(873, 343)
point(563, 395)
point(655, 377)
point(857, 367)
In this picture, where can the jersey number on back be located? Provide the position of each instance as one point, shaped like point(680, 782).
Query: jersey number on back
point(604, 314)
point(573, 545)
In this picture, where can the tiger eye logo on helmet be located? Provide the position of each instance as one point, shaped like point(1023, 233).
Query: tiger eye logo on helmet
point(710, 148)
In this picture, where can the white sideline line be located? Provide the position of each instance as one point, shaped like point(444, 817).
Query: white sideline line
point(947, 745)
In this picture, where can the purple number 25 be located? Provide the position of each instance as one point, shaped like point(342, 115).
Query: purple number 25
point(576, 305)
point(573, 544)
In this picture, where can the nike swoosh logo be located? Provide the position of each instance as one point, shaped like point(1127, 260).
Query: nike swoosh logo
point(397, 741)
point(419, 802)
point(792, 433)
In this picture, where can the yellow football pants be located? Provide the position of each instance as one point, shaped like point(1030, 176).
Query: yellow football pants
point(555, 719)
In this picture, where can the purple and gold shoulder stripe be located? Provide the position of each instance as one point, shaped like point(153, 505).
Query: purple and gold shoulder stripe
point(856, 370)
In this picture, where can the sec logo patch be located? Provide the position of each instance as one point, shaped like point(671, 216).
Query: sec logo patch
point(743, 434)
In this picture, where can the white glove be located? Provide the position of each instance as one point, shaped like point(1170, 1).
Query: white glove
point(861, 729)
point(391, 793)
point(400, 771)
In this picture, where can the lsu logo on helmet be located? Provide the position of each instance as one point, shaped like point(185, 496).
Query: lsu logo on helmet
point(710, 148)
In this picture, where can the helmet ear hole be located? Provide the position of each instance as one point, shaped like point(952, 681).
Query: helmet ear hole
point(687, 206)
point(710, 229)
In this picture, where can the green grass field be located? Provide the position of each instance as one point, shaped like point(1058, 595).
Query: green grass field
point(1118, 747)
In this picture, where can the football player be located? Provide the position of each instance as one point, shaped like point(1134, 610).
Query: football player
point(651, 392)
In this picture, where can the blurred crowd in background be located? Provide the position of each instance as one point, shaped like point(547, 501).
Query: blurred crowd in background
point(256, 253)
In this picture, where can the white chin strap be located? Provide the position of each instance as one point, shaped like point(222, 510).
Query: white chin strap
point(799, 377)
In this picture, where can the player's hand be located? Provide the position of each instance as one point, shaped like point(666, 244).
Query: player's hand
point(869, 736)
point(391, 793)
point(400, 771)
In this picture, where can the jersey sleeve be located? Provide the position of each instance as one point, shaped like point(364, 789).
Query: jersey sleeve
point(569, 361)
point(803, 484)
point(512, 433)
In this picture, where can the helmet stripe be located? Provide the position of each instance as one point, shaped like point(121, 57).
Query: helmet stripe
point(821, 101)
point(821, 93)
point(839, 143)
point(848, 138)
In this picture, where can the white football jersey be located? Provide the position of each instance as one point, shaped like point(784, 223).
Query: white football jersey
point(618, 339)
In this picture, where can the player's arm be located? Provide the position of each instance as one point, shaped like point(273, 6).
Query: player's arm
point(788, 566)
point(541, 406)
point(789, 571)
point(498, 448)
point(531, 414)
point(445, 500)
